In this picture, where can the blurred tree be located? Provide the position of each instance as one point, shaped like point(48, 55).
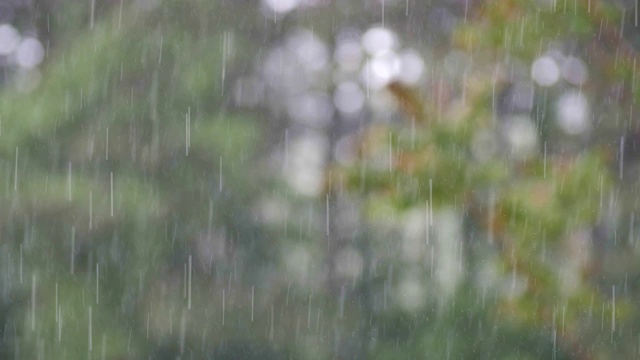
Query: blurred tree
point(126, 213)
point(529, 210)
point(140, 218)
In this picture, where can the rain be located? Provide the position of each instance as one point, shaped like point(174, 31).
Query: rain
point(319, 179)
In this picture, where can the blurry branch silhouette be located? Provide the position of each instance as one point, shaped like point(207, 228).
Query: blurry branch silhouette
point(409, 101)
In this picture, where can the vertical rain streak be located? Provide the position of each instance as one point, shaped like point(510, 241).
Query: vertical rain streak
point(73, 249)
point(15, 173)
point(189, 284)
point(92, 15)
point(621, 158)
point(97, 283)
point(90, 210)
point(33, 302)
point(613, 311)
point(90, 332)
point(544, 162)
point(56, 307)
point(59, 313)
point(20, 271)
point(111, 190)
point(106, 146)
point(226, 44)
point(252, 301)
point(220, 177)
point(69, 182)
point(187, 132)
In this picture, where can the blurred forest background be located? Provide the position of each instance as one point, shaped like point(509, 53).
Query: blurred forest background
point(319, 179)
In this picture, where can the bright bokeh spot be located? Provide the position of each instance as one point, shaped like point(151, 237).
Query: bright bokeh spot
point(378, 40)
point(383, 69)
point(30, 53)
point(306, 161)
point(575, 71)
point(522, 137)
point(309, 50)
point(348, 53)
point(282, 6)
point(545, 71)
point(412, 67)
point(348, 97)
point(9, 39)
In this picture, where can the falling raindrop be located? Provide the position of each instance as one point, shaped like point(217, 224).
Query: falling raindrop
point(189, 284)
point(544, 166)
point(33, 302)
point(111, 191)
point(621, 158)
point(73, 249)
point(15, 173)
point(90, 333)
point(97, 283)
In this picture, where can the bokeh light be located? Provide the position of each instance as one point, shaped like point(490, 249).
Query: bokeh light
point(349, 97)
point(30, 53)
point(574, 71)
point(545, 71)
point(574, 115)
point(521, 136)
point(282, 6)
point(379, 40)
point(9, 39)
point(312, 109)
point(411, 68)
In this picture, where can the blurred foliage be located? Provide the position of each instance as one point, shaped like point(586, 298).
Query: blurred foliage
point(529, 211)
point(118, 167)
point(130, 186)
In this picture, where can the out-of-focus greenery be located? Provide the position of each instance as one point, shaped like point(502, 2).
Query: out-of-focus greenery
point(128, 220)
point(121, 170)
point(526, 214)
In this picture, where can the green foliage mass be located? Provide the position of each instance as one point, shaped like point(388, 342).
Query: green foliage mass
point(526, 213)
point(128, 226)
point(113, 169)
